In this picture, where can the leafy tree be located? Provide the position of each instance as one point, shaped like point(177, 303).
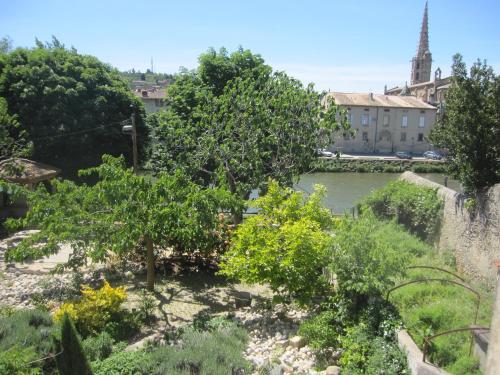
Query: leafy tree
point(121, 212)
point(470, 126)
point(285, 244)
point(235, 123)
point(13, 141)
point(71, 359)
point(5, 45)
point(70, 105)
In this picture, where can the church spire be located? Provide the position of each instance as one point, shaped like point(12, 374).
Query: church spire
point(423, 45)
point(422, 62)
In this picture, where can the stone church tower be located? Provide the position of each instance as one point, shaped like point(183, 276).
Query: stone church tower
point(421, 63)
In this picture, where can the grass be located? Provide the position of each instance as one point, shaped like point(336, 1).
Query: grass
point(434, 307)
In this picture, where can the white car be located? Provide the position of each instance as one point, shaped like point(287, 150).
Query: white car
point(324, 153)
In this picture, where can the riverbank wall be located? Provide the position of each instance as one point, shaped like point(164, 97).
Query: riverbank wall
point(376, 166)
point(472, 235)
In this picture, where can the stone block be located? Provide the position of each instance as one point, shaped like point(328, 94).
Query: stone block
point(297, 342)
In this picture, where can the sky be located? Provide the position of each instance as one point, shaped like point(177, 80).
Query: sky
point(348, 46)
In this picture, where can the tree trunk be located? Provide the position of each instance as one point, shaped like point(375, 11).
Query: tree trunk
point(150, 259)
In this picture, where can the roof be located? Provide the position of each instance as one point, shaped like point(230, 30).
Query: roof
point(378, 100)
point(150, 93)
point(24, 171)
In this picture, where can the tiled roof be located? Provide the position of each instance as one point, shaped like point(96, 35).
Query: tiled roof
point(26, 171)
point(150, 93)
point(378, 100)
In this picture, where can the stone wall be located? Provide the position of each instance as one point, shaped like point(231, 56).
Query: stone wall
point(473, 238)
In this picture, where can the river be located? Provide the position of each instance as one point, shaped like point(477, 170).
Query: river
point(345, 189)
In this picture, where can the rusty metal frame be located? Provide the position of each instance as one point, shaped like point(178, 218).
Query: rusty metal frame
point(427, 339)
point(438, 269)
point(478, 296)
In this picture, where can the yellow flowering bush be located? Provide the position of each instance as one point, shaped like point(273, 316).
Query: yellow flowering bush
point(95, 309)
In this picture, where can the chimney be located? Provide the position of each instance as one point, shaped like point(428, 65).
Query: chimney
point(144, 93)
point(370, 95)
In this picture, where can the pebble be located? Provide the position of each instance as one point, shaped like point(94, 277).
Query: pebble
point(273, 334)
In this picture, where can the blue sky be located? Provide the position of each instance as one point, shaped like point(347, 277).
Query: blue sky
point(350, 45)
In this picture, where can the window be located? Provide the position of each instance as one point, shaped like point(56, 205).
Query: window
point(386, 121)
point(365, 136)
point(387, 110)
point(417, 76)
point(404, 121)
point(421, 122)
point(420, 137)
point(159, 102)
point(403, 137)
point(364, 119)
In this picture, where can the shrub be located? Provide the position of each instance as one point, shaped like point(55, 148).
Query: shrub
point(368, 255)
point(213, 352)
point(417, 208)
point(95, 309)
point(367, 354)
point(70, 358)
point(16, 360)
point(323, 330)
point(146, 308)
point(98, 347)
point(26, 333)
point(284, 245)
point(123, 363)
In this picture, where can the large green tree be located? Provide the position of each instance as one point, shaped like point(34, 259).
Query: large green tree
point(121, 213)
point(70, 105)
point(236, 123)
point(470, 126)
point(13, 141)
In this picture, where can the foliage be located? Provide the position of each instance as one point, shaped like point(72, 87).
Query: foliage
point(375, 166)
point(70, 105)
point(70, 357)
point(430, 308)
point(418, 208)
point(368, 255)
point(98, 348)
point(470, 126)
point(234, 123)
point(13, 141)
point(16, 360)
point(25, 337)
point(146, 308)
point(323, 330)
point(122, 363)
point(95, 309)
point(215, 351)
point(149, 77)
point(121, 212)
point(365, 354)
point(284, 245)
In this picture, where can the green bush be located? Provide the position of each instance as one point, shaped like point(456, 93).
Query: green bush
point(323, 330)
point(285, 245)
point(98, 347)
point(367, 354)
point(417, 208)
point(123, 363)
point(25, 335)
point(368, 255)
point(16, 360)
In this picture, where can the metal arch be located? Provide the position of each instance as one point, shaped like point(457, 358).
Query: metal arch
point(478, 296)
point(438, 269)
point(427, 339)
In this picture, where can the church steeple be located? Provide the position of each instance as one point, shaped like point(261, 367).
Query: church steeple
point(422, 62)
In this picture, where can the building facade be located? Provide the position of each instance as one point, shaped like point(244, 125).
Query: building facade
point(384, 124)
point(153, 98)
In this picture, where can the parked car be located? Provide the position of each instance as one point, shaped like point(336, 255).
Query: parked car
point(403, 155)
point(324, 153)
point(433, 155)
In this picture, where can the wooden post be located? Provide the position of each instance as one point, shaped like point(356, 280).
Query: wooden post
point(150, 259)
point(134, 145)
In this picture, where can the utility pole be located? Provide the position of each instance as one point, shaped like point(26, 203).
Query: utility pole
point(134, 144)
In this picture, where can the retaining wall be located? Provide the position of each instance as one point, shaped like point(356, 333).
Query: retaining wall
point(473, 238)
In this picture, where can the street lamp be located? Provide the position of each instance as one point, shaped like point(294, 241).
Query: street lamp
point(132, 130)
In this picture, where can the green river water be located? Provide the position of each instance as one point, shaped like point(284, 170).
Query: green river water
point(345, 189)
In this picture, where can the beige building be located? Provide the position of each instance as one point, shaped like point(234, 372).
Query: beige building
point(385, 124)
point(153, 98)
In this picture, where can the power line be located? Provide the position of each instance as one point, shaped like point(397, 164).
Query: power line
point(101, 127)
